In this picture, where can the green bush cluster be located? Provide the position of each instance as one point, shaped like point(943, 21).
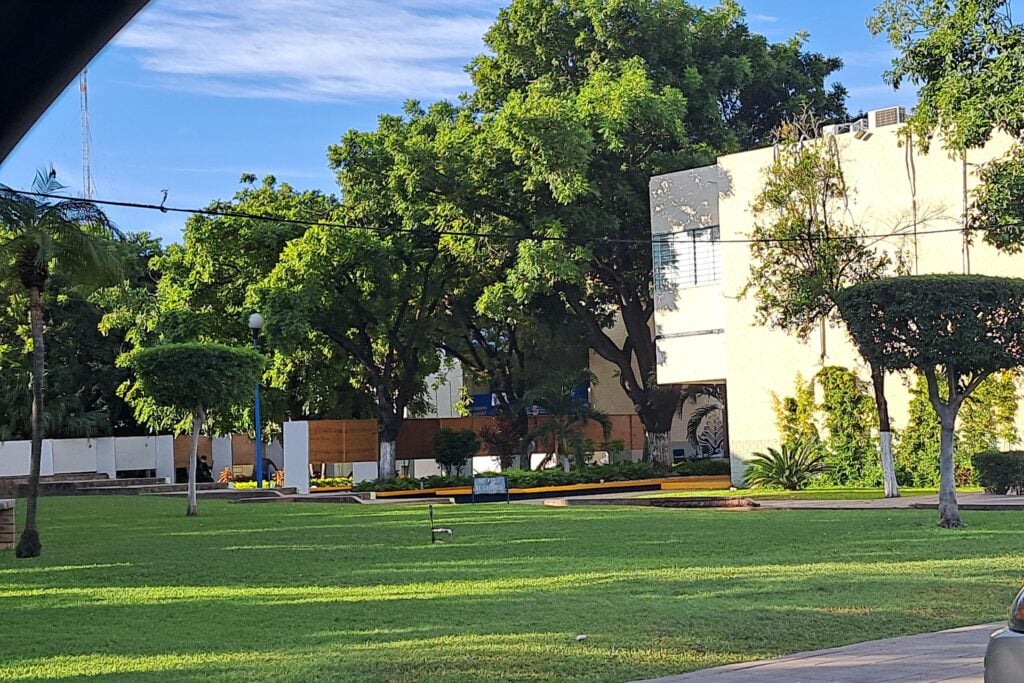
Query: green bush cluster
point(1000, 471)
point(436, 481)
point(453, 449)
point(705, 467)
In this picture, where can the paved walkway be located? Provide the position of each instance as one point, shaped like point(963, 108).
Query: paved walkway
point(954, 656)
point(967, 501)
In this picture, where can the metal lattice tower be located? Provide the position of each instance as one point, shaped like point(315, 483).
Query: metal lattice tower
point(83, 89)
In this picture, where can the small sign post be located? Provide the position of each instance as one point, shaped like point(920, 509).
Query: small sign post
point(491, 486)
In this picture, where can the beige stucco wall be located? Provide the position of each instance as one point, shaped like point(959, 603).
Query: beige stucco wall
point(759, 361)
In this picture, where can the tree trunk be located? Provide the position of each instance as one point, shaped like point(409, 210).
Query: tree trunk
point(387, 466)
point(949, 511)
point(892, 489)
point(889, 483)
point(522, 425)
point(197, 426)
point(658, 449)
point(29, 544)
point(390, 426)
point(657, 413)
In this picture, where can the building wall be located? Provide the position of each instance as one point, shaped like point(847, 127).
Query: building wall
point(444, 389)
point(759, 361)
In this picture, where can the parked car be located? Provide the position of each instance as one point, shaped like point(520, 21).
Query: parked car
point(1004, 658)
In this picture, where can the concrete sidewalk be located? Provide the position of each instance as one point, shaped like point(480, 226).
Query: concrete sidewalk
point(966, 501)
point(954, 656)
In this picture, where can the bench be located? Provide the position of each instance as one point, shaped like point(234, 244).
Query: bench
point(6, 524)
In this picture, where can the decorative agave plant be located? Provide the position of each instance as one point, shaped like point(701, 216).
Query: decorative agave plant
point(791, 467)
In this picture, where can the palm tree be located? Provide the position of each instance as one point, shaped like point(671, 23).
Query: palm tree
point(567, 417)
point(40, 234)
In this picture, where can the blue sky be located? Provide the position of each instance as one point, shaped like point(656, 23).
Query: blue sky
point(195, 92)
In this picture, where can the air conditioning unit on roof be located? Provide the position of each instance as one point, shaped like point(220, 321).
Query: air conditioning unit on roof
point(889, 116)
point(847, 127)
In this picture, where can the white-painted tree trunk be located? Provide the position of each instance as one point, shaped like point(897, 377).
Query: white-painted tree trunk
point(659, 449)
point(197, 425)
point(892, 489)
point(949, 511)
point(387, 467)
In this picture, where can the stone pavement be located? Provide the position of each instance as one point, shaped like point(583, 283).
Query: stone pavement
point(954, 656)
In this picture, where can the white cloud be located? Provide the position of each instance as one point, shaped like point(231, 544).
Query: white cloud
point(311, 49)
point(763, 18)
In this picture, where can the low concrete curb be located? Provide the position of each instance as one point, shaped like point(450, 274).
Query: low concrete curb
point(703, 502)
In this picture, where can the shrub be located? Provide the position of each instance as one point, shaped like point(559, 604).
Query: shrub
point(331, 481)
point(453, 449)
point(1000, 471)
point(791, 467)
point(622, 471)
point(504, 439)
point(702, 468)
point(794, 415)
point(850, 446)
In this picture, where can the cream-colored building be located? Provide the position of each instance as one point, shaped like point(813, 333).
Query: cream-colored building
point(707, 333)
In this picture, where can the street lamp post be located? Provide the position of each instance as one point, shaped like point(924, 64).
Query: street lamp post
point(256, 324)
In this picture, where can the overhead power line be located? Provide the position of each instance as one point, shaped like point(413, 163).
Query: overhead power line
point(681, 237)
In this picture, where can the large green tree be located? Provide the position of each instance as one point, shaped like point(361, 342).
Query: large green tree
point(958, 328)
point(422, 171)
point(805, 249)
point(202, 293)
point(965, 57)
point(41, 236)
point(581, 102)
point(378, 298)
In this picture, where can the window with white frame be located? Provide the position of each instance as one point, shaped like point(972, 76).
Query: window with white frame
point(687, 259)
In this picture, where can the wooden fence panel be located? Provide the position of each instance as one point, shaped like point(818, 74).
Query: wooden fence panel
point(414, 441)
point(183, 444)
point(357, 440)
point(243, 450)
point(343, 441)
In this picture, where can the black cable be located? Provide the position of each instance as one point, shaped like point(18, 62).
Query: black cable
point(677, 237)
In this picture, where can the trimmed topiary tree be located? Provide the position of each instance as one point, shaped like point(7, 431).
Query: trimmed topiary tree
point(192, 378)
point(454, 448)
point(960, 327)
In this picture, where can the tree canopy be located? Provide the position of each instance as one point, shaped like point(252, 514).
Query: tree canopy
point(202, 293)
point(972, 324)
point(805, 246)
point(195, 376)
point(580, 103)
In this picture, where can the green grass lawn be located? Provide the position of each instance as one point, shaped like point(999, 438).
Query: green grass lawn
point(131, 590)
point(830, 493)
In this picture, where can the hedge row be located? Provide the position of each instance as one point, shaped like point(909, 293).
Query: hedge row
point(623, 471)
point(1000, 471)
